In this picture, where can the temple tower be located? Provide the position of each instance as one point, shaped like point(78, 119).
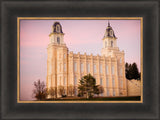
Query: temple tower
point(57, 58)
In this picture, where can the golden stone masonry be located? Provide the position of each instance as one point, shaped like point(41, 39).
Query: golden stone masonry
point(66, 68)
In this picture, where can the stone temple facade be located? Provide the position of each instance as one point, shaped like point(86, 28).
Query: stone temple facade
point(66, 68)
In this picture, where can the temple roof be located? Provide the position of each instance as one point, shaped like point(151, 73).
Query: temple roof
point(55, 27)
point(109, 32)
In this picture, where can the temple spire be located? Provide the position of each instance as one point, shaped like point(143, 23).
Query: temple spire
point(108, 23)
point(109, 33)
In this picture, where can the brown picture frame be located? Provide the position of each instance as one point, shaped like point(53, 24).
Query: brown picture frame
point(147, 9)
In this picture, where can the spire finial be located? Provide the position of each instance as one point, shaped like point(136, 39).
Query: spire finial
point(108, 23)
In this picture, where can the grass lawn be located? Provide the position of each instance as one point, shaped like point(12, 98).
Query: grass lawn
point(127, 98)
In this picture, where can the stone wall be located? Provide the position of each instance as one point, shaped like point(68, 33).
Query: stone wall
point(108, 71)
point(134, 87)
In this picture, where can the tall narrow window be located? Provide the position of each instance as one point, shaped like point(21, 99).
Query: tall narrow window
point(75, 67)
point(58, 29)
point(112, 69)
point(101, 81)
point(64, 82)
point(114, 93)
point(94, 68)
point(64, 67)
point(107, 82)
point(101, 68)
point(64, 56)
point(111, 33)
point(58, 40)
point(88, 67)
point(81, 67)
point(111, 43)
point(113, 82)
point(106, 69)
point(75, 81)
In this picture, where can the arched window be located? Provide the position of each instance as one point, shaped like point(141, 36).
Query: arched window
point(111, 43)
point(58, 28)
point(111, 33)
point(58, 40)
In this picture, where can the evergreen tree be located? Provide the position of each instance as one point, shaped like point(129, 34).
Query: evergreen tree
point(127, 70)
point(87, 86)
point(132, 72)
point(135, 73)
point(99, 89)
point(130, 76)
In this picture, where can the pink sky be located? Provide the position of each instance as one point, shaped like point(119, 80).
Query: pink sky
point(80, 36)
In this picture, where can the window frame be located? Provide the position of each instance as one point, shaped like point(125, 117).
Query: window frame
point(107, 69)
point(113, 82)
point(112, 43)
point(82, 70)
point(58, 28)
point(65, 67)
point(75, 66)
point(112, 69)
point(58, 40)
point(94, 68)
point(88, 67)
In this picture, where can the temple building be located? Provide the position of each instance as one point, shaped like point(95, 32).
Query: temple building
point(66, 68)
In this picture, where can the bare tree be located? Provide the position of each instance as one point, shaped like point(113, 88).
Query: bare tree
point(71, 90)
point(39, 91)
point(61, 90)
point(52, 92)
